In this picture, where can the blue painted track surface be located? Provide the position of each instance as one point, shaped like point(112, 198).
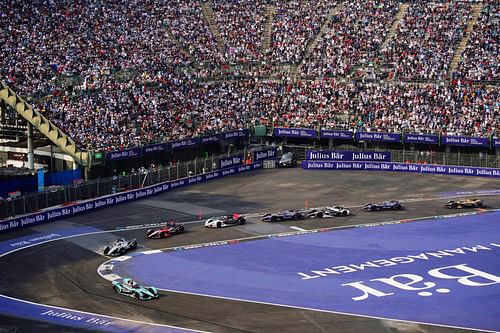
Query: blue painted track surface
point(439, 271)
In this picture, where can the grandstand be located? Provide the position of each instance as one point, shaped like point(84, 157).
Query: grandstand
point(104, 76)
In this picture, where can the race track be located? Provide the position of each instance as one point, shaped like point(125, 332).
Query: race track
point(249, 277)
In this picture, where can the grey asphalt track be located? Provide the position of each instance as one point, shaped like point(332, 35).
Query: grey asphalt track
point(63, 273)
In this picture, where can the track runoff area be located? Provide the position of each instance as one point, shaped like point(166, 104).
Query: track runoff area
point(441, 271)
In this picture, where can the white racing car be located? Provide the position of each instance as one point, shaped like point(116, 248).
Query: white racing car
point(225, 221)
point(327, 212)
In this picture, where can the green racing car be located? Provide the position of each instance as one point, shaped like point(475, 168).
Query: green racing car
point(129, 287)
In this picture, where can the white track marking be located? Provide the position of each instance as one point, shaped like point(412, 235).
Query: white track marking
point(151, 252)
point(111, 277)
point(325, 311)
point(297, 228)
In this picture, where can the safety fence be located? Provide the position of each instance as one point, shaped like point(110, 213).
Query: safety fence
point(64, 195)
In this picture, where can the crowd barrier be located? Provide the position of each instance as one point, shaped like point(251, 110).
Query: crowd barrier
point(401, 167)
point(53, 214)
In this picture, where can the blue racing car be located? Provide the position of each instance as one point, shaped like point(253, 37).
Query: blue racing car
point(129, 287)
point(386, 205)
point(285, 215)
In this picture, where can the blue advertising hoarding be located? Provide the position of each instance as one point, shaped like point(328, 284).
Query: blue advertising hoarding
point(336, 134)
point(465, 141)
point(155, 148)
point(185, 143)
point(378, 136)
point(495, 142)
point(234, 135)
point(402, 167)
point(378, 156)
point(230, 161)
point(429, 139)
point(295, 132)
point(268, 154)
point(206, 139)
point(123, 154)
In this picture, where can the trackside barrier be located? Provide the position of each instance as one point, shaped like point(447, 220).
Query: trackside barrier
point(402, 167)
point(113, 199)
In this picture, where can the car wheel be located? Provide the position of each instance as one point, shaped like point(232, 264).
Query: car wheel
point(134, 245)
point(344, 213)
point(116, 289)
point(219, 225)
point(106, 250)
point(135, 295)
point(274, 219)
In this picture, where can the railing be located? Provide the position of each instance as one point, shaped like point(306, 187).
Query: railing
point(62, 195)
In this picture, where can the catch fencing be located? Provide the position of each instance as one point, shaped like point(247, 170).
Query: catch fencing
point(63, 195)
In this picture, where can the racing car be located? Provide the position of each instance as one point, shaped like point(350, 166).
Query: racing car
point(465, 203)
point(385, 205)
point(119, 247)
point(285, 215)
point(129, 287)
point(225, 221)
point(328, 212)
point(165, 231)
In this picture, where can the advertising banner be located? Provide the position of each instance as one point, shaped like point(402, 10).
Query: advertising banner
point(336, 134)
point(123, 154)
point(268, 154)
point(495, 142)
point(295, 132)
point(348, 156)
point(155, 148)
point(230, 161)
point(402, 167)
point(186, 143)
point(465, 141)
point(378, 136)
point(233, 135)
point(209, 139)
point(429, 139)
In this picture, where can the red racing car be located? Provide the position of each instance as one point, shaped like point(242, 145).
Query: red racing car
point(165, 231)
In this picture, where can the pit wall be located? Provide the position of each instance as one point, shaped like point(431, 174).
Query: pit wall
point(70, 210)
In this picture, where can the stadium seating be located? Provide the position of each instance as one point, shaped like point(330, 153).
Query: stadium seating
point(116, 74)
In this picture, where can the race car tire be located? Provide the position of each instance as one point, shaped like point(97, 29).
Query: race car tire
point(344, 213)
point(242, 221)
point(319, 215)
point(153, 291)
point(181, 229)
point(106, 250)
point(219, 224)
point(134, 245)
point(274, 219)
point(135, 295)
point(116, 289)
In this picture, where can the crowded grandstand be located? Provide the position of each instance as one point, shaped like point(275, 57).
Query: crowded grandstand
point(116, 74)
